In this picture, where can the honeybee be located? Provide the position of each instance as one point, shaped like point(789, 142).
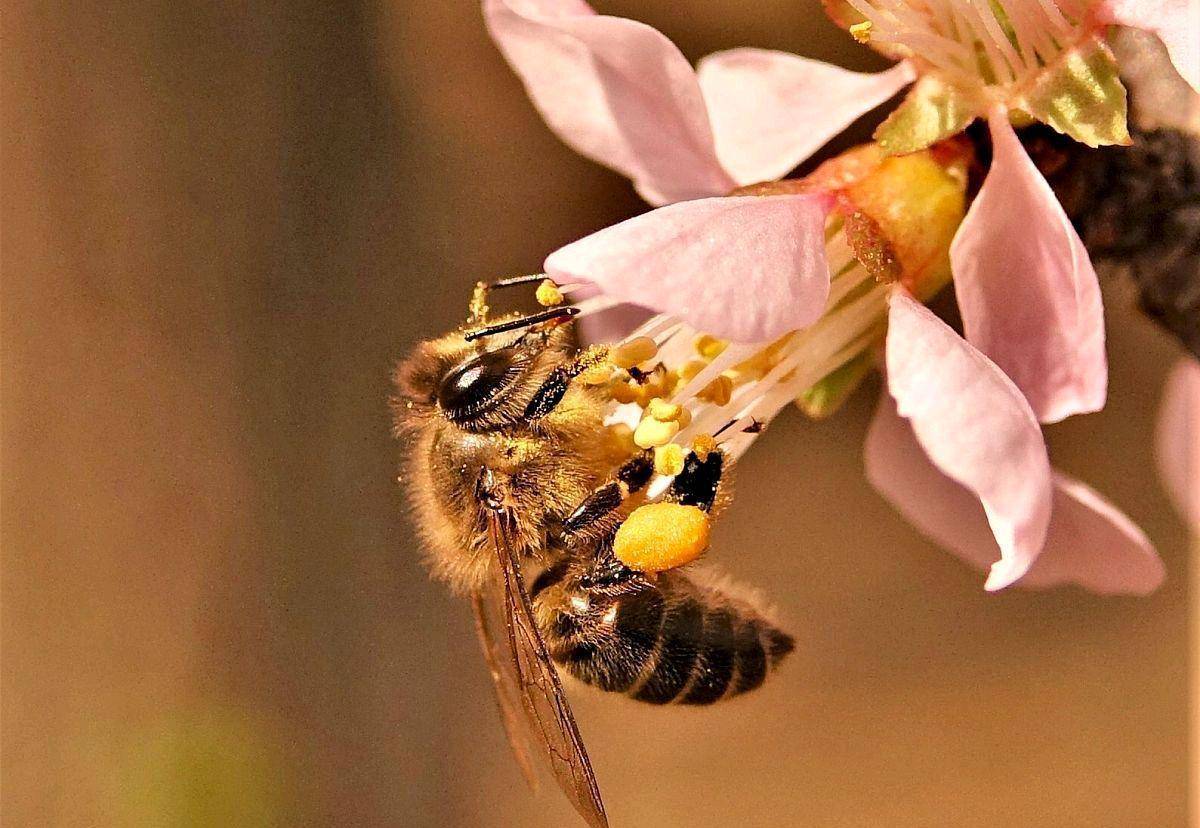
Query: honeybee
point(507, 475)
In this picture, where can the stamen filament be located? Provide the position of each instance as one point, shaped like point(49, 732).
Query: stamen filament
point(976, 43)
point(596, 304)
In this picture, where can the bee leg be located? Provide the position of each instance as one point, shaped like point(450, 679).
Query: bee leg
point(699, 481)
point(631, 477)
point(555, 386)
point(606, 573)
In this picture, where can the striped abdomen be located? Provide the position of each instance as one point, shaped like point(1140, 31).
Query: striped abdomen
point(667, 641)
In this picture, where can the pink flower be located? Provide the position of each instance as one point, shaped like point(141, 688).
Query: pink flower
point(1175, 22)
point(622, 94)
point(1027, 291)
point(971, 458)
point(957, 446)
point(1178, 440)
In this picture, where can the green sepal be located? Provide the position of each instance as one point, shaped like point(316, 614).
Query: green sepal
point(1080, 95)
point(933, 111)
point(827, 396)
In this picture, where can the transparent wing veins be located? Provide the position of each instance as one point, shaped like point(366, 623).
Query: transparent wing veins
point(547, 711)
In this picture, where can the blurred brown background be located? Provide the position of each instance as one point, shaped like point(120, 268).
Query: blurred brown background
point(222, 223)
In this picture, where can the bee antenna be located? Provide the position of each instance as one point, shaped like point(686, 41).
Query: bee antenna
point(551, 315)
point(477, 310)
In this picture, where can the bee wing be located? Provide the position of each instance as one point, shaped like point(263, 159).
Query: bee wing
point(535, 680)
point(505, 685)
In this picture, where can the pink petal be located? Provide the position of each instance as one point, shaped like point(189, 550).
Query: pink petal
point(611, 325)
point(748, 268)
point(1178, 440)
point(1089, 542)
point(975, 426)
point(616, 91)
point(771, 110)
point(1093, 544)
point(1175, 22)
point(1029, 297)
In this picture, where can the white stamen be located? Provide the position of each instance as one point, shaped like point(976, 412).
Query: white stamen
point(976, 43)
point(595, 304)
point(810, 355)
point(733, 354)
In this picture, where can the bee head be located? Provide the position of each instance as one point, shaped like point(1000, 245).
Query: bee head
point(477, 382)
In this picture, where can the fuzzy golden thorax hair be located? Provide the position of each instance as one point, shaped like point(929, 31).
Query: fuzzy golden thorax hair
point(541, 468)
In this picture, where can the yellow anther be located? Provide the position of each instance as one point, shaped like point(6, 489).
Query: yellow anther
point(685, 418)
point(710, 347)
point(598, 374)
point(624, 392)
point(634, 352)
point(664, 411)
point(703, 445)
point(548, 294)
point(740, 376)
point(862, 31)
point(668, 459)
point(719, 391)
point(659, 536)
point(691, 368)
point(651, 432)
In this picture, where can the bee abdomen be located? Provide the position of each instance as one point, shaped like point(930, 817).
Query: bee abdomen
point(611, 652)
point(717, 650)
point(671, 644)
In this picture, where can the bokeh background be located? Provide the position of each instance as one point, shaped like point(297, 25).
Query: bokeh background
point(222, 224)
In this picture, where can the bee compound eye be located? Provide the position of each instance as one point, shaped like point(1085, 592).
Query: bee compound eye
point(477, 381)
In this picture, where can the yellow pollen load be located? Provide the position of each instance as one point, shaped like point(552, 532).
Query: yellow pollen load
point(634, 352)
point(548, 294)
point(668, 459)
point(651, 432)
point(660, 536)
point(862, 31)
